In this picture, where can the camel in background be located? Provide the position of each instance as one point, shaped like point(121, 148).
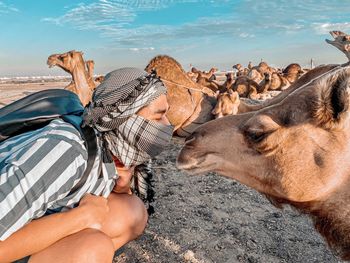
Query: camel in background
point(229, 103)
point(90, 65)
point(190, 104)
point(257, 73)
point(73, 63)
point(293, 148)
point(341, 41)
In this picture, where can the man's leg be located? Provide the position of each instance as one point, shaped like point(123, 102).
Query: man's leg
point(126, 220)
point(89, 245)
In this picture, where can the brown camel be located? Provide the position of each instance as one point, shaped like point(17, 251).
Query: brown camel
point(189, 103)
point(274, 81)
point(341, 41)
point(241, 71)
point(73, 63)
point(292, 72)
point(294, 148)
point(248, 88)
point(257, 72)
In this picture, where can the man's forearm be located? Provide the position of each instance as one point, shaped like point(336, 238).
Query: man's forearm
point(41, 233)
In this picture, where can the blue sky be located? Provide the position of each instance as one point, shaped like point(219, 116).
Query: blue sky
point(117, 33)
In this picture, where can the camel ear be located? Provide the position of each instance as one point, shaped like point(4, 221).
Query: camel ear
point(333, 102)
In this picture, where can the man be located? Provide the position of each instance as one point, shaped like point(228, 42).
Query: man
point(39, 168)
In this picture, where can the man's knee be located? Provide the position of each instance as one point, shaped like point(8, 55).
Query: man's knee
point(139, 218)
point(94, 246)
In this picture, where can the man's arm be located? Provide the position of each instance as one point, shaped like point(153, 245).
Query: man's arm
point(43, 232)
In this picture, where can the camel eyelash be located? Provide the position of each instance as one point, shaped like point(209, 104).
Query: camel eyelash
point(256, 136)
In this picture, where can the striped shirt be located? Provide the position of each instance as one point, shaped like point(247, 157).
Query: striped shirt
point(39, 168)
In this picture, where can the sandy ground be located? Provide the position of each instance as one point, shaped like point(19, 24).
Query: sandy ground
point(209, 218)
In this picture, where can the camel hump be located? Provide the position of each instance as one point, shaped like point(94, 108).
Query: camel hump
point(292, 68)
point(168, 69)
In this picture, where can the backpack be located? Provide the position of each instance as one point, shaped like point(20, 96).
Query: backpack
point(38, 109)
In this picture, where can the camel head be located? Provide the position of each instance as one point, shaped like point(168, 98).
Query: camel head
point(227, 104)
point(229, 76)
point(296, 150)
point(267, 76)
point(67, 61)
point(341, 41)
point(292, 69)
point(238, 67)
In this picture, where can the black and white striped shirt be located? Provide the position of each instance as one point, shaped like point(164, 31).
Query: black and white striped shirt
point(39, 168)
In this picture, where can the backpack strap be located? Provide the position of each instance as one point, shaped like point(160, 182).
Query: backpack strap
point(89, 137)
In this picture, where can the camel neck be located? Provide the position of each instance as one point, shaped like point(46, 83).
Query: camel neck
point(80, 78)
point(331, 219)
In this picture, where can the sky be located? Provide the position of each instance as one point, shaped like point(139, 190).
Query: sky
point(119, 33)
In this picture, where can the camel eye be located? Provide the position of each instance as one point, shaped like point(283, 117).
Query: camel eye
point(256, 136)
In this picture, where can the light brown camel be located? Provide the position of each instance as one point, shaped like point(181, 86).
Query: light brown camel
point(193, 74)
point(294, 148)
point(257, 72)
point(229, 103)
point(73, 63)
point(241, 71)
point(90, 64)
point(227, 85)
point(207, 75)
point(189, 103)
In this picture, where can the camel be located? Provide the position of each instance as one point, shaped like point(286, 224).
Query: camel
point(73, 63)
point(257, 72)
point(294, 148)
point(248, 88)
point(90, 64)
point(341, 41)
point(227, 85)
point(193, 73)
point(292, 72)
point(274, 81)
point(189, 103)
point(241, 71)
point(207, 75)
point(227, 104)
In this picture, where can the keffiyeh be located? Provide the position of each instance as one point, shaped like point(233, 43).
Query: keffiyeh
point(131, 138)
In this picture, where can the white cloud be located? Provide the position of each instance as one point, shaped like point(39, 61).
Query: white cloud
point(5, 8)
point(139, 49)
point(324, 28)
point(115, 20)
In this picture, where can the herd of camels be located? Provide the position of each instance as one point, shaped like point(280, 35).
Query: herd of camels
point(294, 147)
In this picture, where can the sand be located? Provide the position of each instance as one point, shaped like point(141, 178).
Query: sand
point(209, 218)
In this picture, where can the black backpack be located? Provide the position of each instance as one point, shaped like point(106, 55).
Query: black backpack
point(38, 109)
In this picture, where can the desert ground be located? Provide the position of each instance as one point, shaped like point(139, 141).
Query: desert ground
point(209, 218)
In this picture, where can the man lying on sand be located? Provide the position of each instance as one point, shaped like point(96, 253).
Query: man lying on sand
point(38, 216)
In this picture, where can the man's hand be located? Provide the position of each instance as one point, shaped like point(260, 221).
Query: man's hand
point(123, 183)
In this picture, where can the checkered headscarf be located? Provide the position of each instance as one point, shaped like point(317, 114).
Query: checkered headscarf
point(130, 137)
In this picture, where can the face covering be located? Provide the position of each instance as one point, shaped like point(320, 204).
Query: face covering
point(137, 140)
point(115, 102)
